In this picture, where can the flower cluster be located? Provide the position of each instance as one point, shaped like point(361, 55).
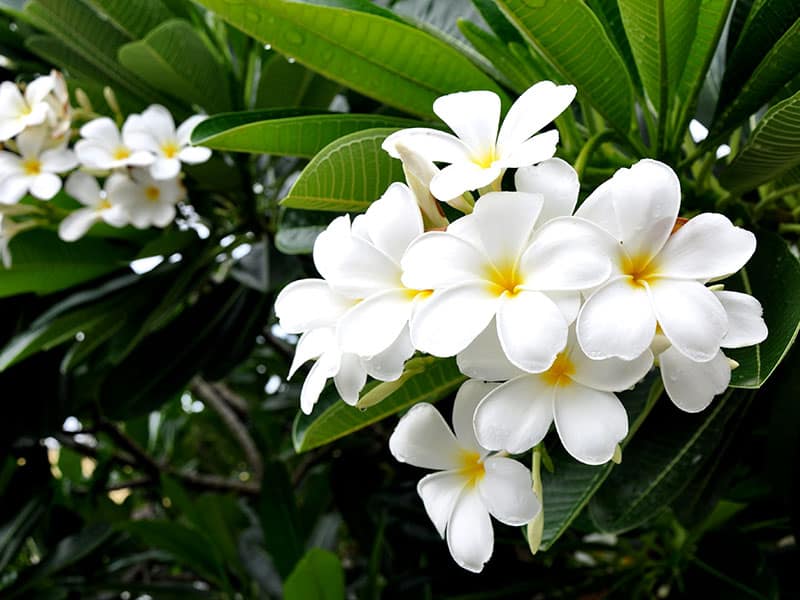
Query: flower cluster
point(549, 311)
point(140, 165)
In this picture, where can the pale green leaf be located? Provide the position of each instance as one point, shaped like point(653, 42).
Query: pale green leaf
point(318, 576)
point(136, 18)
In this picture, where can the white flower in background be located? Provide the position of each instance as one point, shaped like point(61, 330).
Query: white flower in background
point(103, 147)
point(154, 131)
point(658, 275)
point(470, 484)
point(692, 385)
point(419, 172)
point(18, 111)
point(480, 155)
point(35, 171)
point(576, 392)
point(497, 264)
point(100, 205)
point(60, 118)
point(149, 202)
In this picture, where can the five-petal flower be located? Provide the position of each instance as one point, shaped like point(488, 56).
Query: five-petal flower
point(99, 205)
point(19, 111)
point(35, 171)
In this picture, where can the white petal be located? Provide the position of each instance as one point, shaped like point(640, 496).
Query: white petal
point(158, 120)
point(194, 155)
point(311, 345)
point(532, 330)
point(454, 180)
point(469, 533)
point(103, 130)
point(485, 359)
point(13, 188)
point(309, 303)
point(567, 254)
point(84, 188)
point(438, 259)
point(184, 133)
point(692, 385)
point(373, 324)
point(691, 317)
point(31, 141)
point(39, 88)
point(394, 221)
point(116, 216)
point(76, 224)
point(610, 374)
point(94, 155)
point(163, 214)
point(534, 109)
point(10, 127)
point(709, 246)
point(423, 439)
point(165, 168)
point(745, 322)
point(473, 116)
point(45, 186)
point(450, 319)
point(507, 491)
point(617, 321)
point(431, 144)
point(569, 303)
point(590, 423)
point(538, 148)
point(505, 222)
point(439, 492)
point(468, 397)
point(59, 160)
point(350, 379)
point(388, 365)
point(638, 206)
point(140, 158)
point(326, 367)
point(515, 416)
point(558, 184)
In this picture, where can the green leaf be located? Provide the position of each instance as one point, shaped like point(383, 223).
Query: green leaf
point(780, 65)
point(175, 59)
point(16, 530)
point(772, 149)
point(563, 32)
point(424, 380)
point(497, 52)
point(283, 83)
point(497, 22)
point(661, 460)
point(347, 174)
point(607, 12)
point(376, 56)
point(773, 277)
point(134, 17)
point(660, 61)
point(277, 512)
point(287, 132)
point(319, 576)
point(42, 263)
point(568, 489)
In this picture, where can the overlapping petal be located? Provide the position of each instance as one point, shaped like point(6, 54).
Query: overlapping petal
point(423, 439)
point(692, 385)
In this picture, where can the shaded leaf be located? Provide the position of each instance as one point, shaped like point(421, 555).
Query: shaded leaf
point(277, 512)
point(318, 576)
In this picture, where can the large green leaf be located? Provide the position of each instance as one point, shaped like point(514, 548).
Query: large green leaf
point(660, 33)
point(318, 576)
point(174, 58)
point(42, 263)
point(135, 17)
point(277, 511)
point(780, 65)
point(497, 52)
point(347, 175)
point(425, 379)
point(661, 460)
point(379, 57)
point(568, 489)
point(772, 149)
point(573, 40)
point(288, 132)
point(611, 19)
point(773, 277)
point(282, 83)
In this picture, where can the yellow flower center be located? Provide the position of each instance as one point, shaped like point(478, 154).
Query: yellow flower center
point(471, 467)
point(121, 153)
point(152, 193)
point(485, 160)
point(417, 294)
point(32, 166)
point(170, 149)
point(104, 205)
point(504, 278)
point(640, 269)
point(559, 373)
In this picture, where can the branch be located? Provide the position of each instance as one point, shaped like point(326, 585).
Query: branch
point(216, 482)
point(123, 439)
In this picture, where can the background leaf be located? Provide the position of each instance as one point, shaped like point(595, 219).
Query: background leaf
point(318, 576)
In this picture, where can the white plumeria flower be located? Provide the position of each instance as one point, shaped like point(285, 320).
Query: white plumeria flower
point(18, 111)
point(60, 117)
point(470, 484)
point(363, 261)
point(149, 202)
point(104, 148)
point(100, 205)
point(692, 385)
point(497, 262)
point(311, 307)
point(480, 155)
point(576, 392)
point(36, 170)
point(154, 131)
point(658, 276)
